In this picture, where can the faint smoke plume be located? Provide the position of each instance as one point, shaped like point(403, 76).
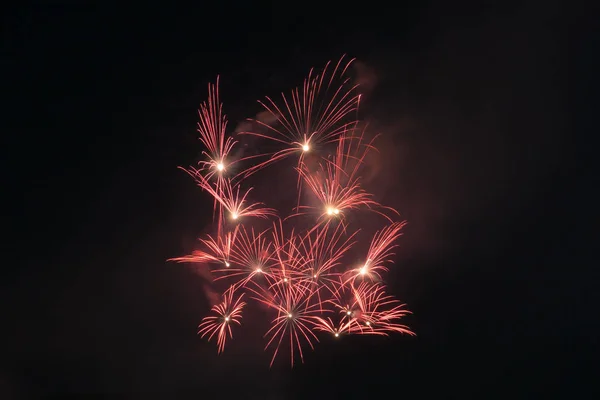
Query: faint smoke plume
point(263, 116)
point(212, 296)
point(203, 271)
point(365, 77)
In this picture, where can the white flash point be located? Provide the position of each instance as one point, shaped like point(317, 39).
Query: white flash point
point(258, 269)
point(369, 323)
point(329, 211)
point(337, 334)
point(305, 147)
point(348, 313)
point(227, 264)
point(220, 166)
point(234, 216)
point(285, 279)
point(226, 319)
point(315, 276)
point(336, 211)
point(363, 270)
point(289, 315)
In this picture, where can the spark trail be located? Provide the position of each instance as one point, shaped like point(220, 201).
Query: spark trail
point(303, 269)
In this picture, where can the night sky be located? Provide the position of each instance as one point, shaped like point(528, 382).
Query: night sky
point(472, 104)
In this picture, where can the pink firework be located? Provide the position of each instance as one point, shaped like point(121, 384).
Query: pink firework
point(235, 204)
point(302, 271)
point(227, 313)
point(365, 309)
point(310, 116)
point(336, 183)
point(327, 325)
point(379, 254)
point(215, 250)
point(324, 249)
point(211, 127)
point(288, 257)
point(381, 313)
point(294, 320)
point(251, 257)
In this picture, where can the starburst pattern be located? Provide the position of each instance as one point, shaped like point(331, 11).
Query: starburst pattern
point(309, 269)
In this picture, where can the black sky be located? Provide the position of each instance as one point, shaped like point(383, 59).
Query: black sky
point(472, 103)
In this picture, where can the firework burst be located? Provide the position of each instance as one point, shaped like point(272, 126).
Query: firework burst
point(235, 205)
point(310, 116)
point(336, 183)
point(323, 250)
point(294, 320)
point(301, 270)
point(379, 254)
point(227, 313)
point(212, 125)
point(215, 250)
point(251, 257)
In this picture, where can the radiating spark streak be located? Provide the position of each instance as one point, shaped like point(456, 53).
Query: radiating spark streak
point(310, 116)
point(295, 319)
point(216, 250)
point(212, 125)
point(287, 253)
point(336, 184)
point(380, 253)
point(379, 311)
point(251, 257)
point(227, 313)
point(323, 249)
point(235, 204)
point(327, 325)
point(368, 310)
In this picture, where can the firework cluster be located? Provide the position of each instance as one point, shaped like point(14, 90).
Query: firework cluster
point(299, 266)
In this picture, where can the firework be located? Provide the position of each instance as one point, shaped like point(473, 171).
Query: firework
point(289, 258)
point(380, 253)
point(336, 183)
point(366, 309)
point(234, 205)
point(212, 126)
point(227, 313)
point(216, 250)
point(251, 257)
point(295, 318)
point(323, 250)
point(301, 270)
point(310, 116)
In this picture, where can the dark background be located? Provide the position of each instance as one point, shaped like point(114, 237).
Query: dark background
point(474, 104)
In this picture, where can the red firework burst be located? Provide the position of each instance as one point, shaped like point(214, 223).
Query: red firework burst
point(294, 320)
point(301, 269)
point(251, 257)
point(336, 183)
point(216, 250)
point(380, 253)
point(211, 127)
point(227, 313)
point(234, 205)
point(310, 116)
